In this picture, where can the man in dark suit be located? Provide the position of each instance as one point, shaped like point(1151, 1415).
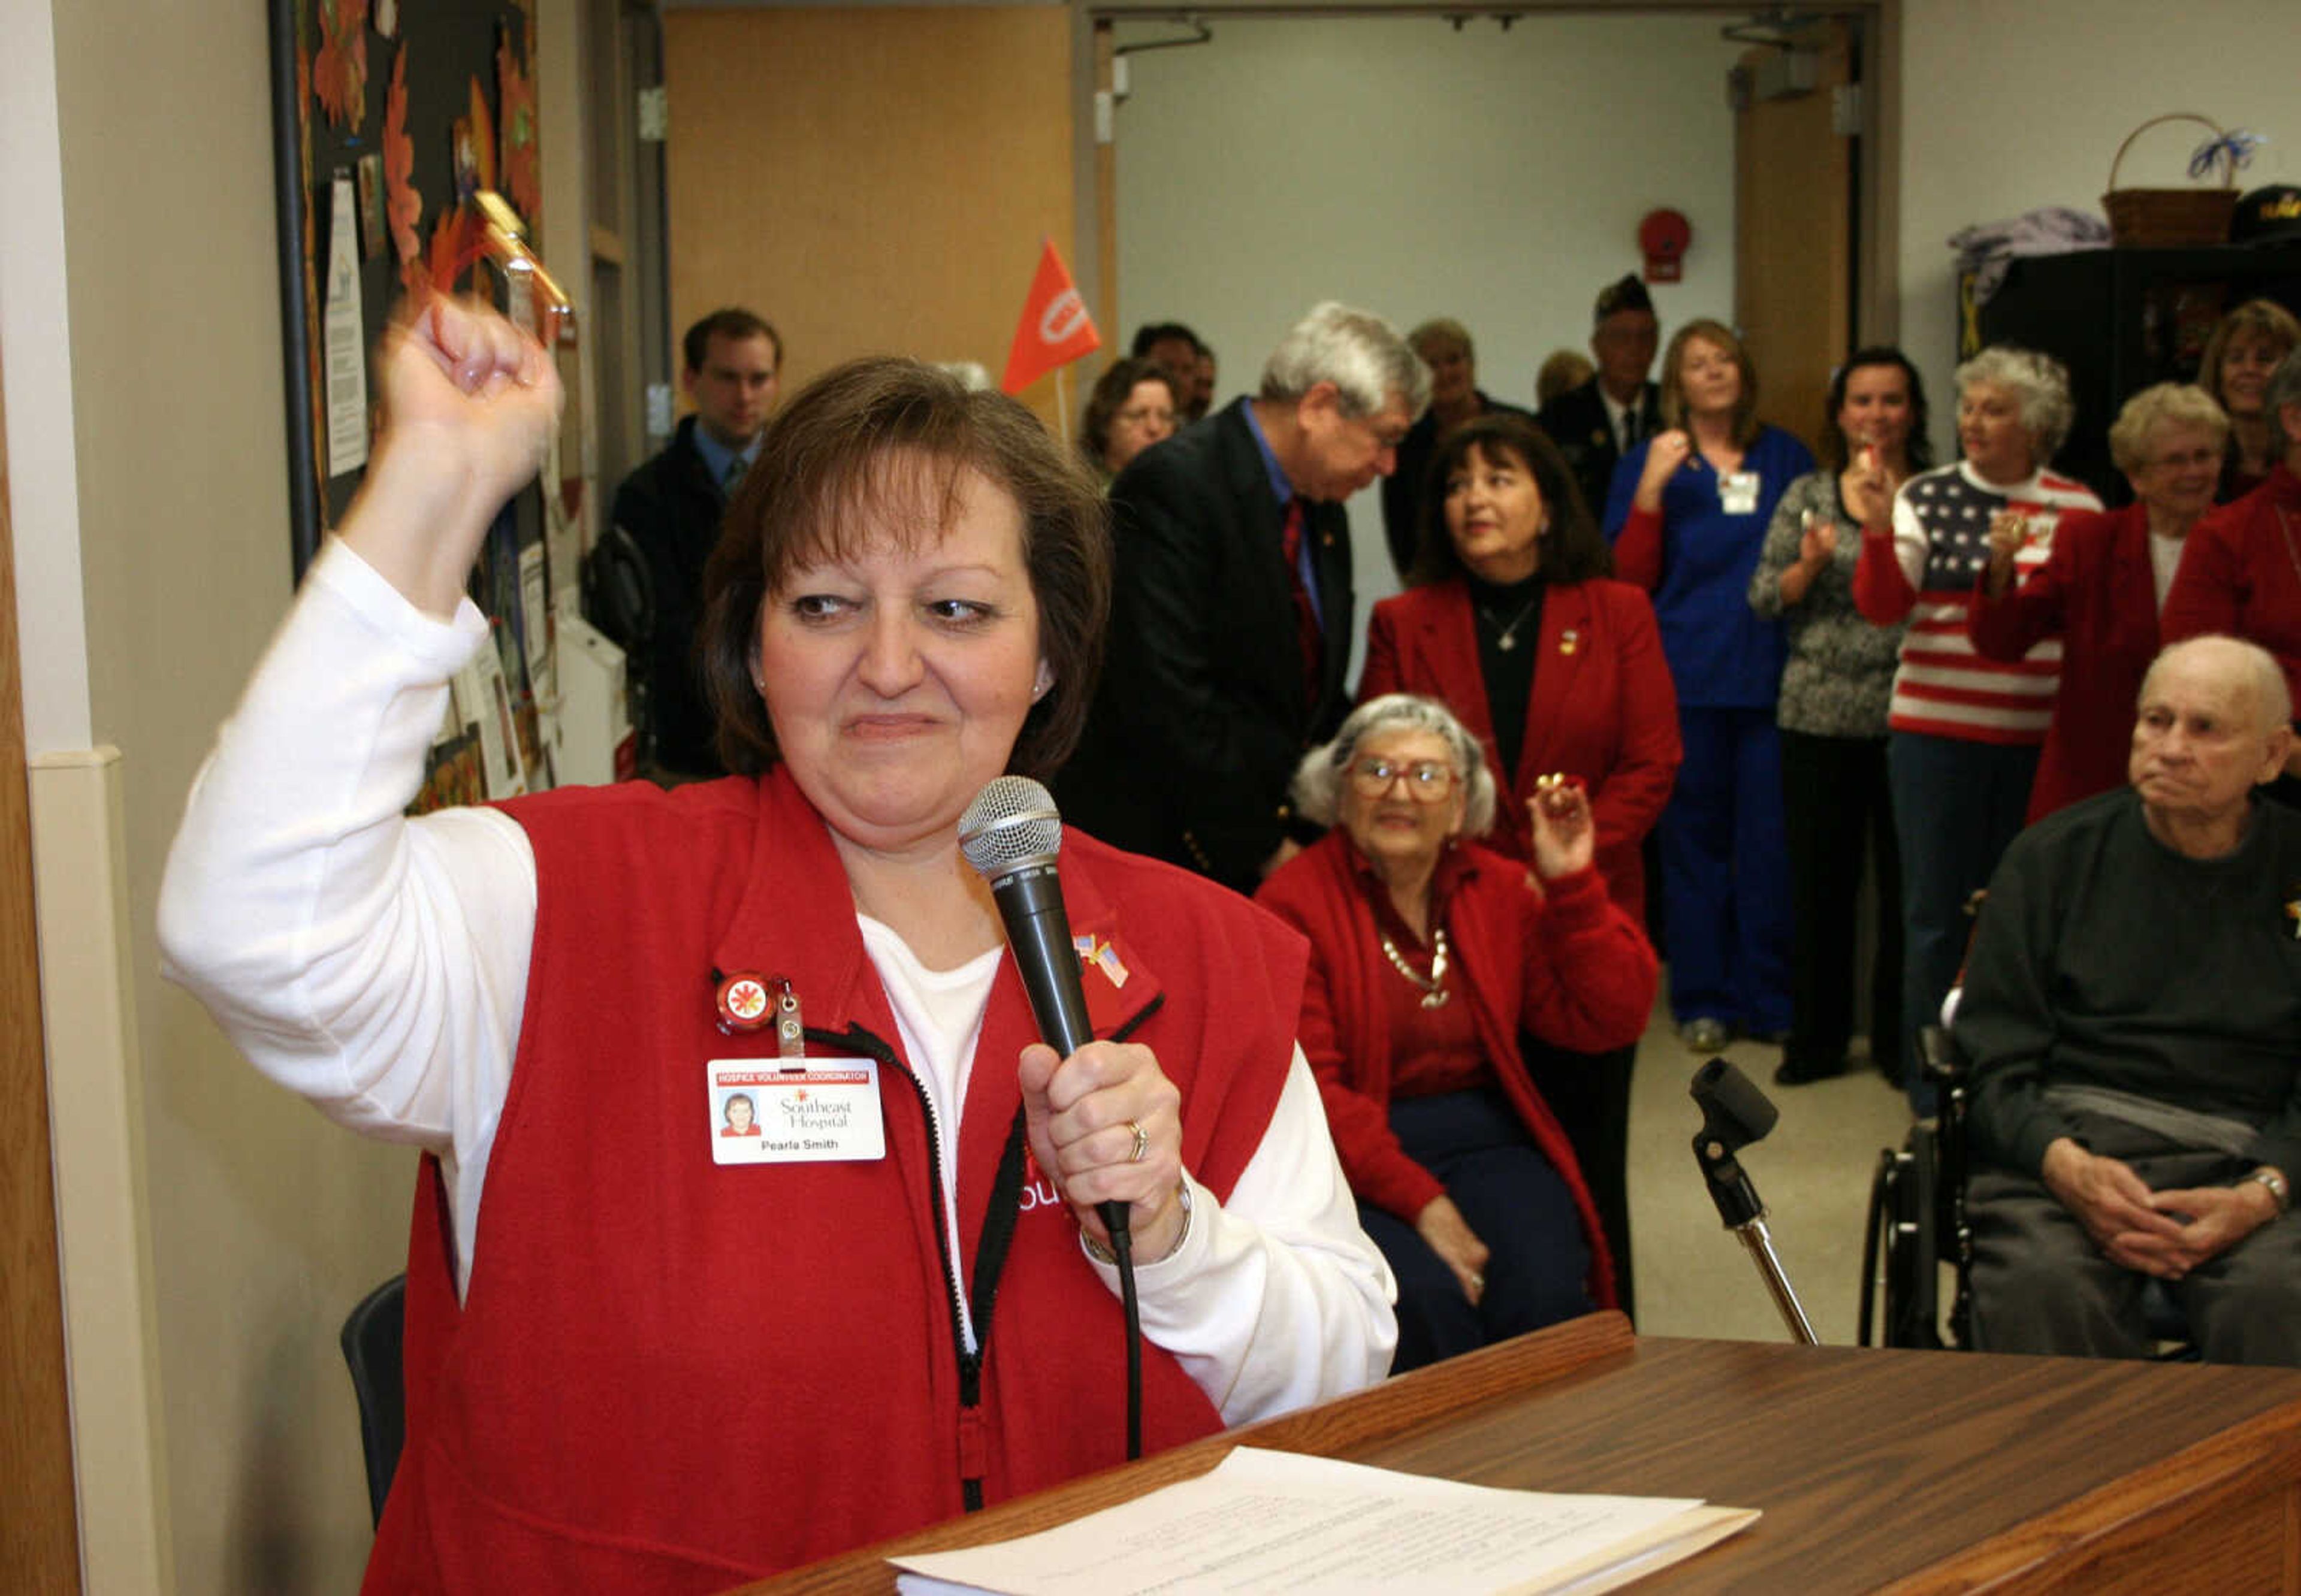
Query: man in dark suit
point(1595, 424)
point(672, 507)
point(1232, 616)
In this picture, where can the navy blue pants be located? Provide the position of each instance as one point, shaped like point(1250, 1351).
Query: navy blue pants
point(1514, 1200)
point(1956, 805)
point(1724, 873)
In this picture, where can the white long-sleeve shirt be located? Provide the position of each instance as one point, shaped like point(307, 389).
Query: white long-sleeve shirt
point(377, 965)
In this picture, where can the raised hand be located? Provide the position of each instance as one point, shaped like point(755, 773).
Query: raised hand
point(1867, 491)
point(1565, 832)
point(1664, 454)
point(2008, 531)
point(1080, 1116)
point(469, 402)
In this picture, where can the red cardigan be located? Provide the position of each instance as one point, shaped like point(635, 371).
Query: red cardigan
point(2097, 592)
point(672, 1375)
point(1602, 707)
point(1572, 968)
point(2241, 574)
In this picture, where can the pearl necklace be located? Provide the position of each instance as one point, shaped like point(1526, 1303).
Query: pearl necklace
point(1433, 986)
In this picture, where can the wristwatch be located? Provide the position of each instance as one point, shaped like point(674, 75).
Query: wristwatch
point(2275, 1181)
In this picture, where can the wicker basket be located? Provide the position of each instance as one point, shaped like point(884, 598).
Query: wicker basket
point(2170, 218)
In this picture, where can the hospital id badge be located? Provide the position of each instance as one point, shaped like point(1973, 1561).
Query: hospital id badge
point(795, 1111)
point(1737, 492)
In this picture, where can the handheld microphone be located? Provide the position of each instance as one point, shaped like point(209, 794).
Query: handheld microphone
point(1012, 833)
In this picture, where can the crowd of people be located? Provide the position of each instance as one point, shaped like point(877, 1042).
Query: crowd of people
point(1382, 1119)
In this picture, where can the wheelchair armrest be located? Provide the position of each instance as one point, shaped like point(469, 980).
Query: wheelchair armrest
point(1943, 1061)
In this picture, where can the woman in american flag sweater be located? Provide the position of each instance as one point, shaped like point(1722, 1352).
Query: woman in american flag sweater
point(1965, 730)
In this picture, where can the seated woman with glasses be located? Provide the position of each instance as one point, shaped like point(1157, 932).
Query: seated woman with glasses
point(1430, 955)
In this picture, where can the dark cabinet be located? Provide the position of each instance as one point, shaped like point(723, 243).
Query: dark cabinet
point(2121, 319)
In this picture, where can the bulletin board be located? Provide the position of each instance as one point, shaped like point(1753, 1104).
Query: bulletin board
point(386, 115)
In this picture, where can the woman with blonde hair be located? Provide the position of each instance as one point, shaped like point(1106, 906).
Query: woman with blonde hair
point(1688, 514)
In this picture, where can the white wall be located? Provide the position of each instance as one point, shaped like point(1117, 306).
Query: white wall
point(1495, 177)
point(229, 1228)
point(2006, 107)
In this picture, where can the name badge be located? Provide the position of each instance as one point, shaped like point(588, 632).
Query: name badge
point(800, 1111)
point(1737, 492)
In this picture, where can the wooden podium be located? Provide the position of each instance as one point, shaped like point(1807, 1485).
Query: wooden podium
point(1902, 1472)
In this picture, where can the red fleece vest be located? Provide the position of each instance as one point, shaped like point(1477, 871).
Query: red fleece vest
point(671, 1375)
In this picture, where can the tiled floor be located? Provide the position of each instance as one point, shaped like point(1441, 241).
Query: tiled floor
point(1813, 1172)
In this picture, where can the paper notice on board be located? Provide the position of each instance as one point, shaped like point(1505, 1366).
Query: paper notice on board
point(344, 338)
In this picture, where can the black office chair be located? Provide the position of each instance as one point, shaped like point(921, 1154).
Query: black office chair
point(372, 1339)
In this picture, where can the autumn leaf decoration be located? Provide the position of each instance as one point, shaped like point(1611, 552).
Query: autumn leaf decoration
point(521, 178)
point(339, 71)
point(483, 136)
point(455, 247)
point(401, 202)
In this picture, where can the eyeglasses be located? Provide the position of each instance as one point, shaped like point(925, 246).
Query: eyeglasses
point(1427, 779)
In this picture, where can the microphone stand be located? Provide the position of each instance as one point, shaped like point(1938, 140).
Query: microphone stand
point(1735, 1114)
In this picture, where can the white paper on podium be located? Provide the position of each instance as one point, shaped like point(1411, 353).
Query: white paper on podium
point(1266, 1522)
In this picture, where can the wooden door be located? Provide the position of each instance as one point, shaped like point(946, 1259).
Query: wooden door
point(1793, 232)
point(39, 1543)
point(869, 179)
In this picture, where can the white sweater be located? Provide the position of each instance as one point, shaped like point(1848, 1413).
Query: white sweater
point(377, 966)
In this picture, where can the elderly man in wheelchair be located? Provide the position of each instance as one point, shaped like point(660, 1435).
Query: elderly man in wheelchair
point(2132, 1014)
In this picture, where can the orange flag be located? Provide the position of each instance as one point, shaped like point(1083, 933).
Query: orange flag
point(1055, 328)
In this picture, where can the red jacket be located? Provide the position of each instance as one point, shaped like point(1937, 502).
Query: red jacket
point(614, 1407)
point(1572, 968)
point(2241, 574)
point(1602, 707)
point(2095, 591)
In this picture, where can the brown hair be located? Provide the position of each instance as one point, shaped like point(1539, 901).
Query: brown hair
point(2262, 319)
point(734, 324)
point(1112, 389)
point(844, 462)
point(1572, 551)
point(1673, 381)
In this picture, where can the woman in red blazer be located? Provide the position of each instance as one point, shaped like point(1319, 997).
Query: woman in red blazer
point(2242, 573)
point(1514, 609)
point(1430, 956)
point(2101, 589)
point(1514, 623)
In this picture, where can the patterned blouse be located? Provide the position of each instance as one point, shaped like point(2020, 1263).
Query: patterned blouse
point(1839, 675)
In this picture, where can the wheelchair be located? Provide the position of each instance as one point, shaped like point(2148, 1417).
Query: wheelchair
point(1918, 1223)
point(1917, 1219)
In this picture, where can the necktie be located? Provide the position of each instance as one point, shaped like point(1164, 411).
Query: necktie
point(1629, 429)
point(1307, 635)
point(735, 469)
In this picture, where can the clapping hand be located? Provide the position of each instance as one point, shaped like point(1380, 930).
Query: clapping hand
point(1565, 832)
point(2008, 531)
point(1818, 540)
point(1664, 454)
point(1869, 491)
